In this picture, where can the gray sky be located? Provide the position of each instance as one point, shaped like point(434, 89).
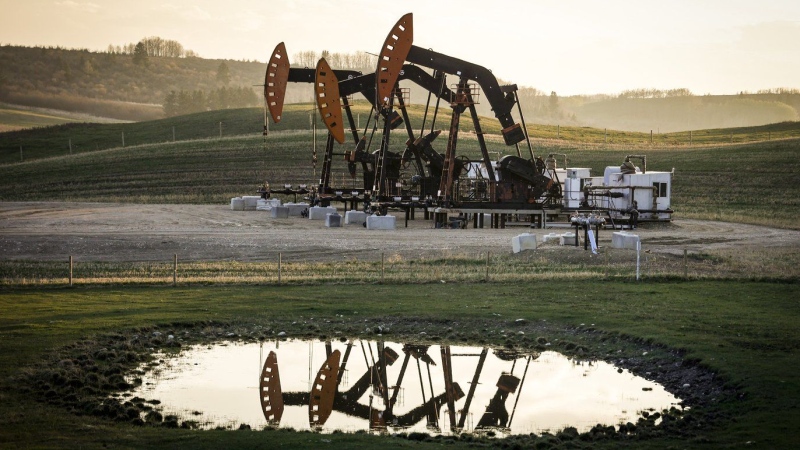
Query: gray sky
point(567, 46)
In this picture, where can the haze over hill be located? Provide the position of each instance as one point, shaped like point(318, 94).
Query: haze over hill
point(116, 84)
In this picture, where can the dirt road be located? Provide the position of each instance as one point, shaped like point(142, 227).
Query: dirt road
point(45, 231)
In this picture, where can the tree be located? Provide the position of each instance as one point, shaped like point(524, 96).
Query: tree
point(218, 98)
point(553, 104)
point(140, 54)
point(171, 104)
point(223, 73)
point(3, 82)
point(184, 102)
point(86, 66)
point(198, 101)
point(66, 68)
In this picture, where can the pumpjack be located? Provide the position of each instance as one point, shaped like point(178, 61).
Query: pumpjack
point(328, 394)
point(332, 97)
point(511, 183)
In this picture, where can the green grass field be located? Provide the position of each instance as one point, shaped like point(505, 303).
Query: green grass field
point(744, 331)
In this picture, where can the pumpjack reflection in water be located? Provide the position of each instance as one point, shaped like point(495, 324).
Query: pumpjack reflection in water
point(269, 386)
point(496, 415)
point(326, 396)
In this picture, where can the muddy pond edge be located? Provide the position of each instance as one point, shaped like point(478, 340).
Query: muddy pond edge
point(80, 377)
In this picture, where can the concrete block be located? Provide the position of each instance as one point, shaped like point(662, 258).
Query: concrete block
point(623, 239)
point(380, 222)
point(333, 220)
point(567, 239)
point(551, 237)
point(296, 209)
point(279, 212)
point(237, 204)
point(267, 204)
point(250, 202)
point(355, 218)
point(320, 212)
point(524, 241)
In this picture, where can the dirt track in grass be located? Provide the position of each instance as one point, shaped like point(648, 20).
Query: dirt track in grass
point(52, 231)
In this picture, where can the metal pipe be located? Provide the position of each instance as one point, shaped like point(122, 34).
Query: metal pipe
point(425, 115)
point(438, 100)
point(608, 188)
point(559, 154)
point(524, 127)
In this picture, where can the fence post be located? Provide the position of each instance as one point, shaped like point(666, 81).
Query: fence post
point(123, 139)
point(638, 250)
point(70, 146)
point(606, 135)
point(651, 137)
point(173, 134)
point(685, 264)
point(175, 270)
point(487, 266)
point(70, 270)
point(220, 130)
point(280, 257)
point(382, 267)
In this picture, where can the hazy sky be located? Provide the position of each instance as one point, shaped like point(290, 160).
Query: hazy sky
point(567, 46)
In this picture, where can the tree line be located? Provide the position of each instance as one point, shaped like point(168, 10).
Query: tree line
point(177, 103)
point(655, 93)
point(360, 61)
point(153, 46)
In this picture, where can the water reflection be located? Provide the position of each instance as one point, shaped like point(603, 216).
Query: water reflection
point(387, 386)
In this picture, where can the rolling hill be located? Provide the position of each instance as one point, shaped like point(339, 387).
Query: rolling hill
point(753, 179)
point(113, 85)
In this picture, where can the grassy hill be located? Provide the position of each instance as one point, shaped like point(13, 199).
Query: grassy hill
point(112, 85)
point(14, 117)
point(688, 113)
point(753, 182)
point(109, 85)
point(88, 137)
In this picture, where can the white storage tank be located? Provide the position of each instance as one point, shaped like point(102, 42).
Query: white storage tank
point(650, 190)
point(579, 172)
point(572, 192)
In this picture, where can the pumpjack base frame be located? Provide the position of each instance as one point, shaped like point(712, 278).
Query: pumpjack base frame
point(539, 215)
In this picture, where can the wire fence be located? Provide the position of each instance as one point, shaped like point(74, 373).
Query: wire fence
point(553, 263)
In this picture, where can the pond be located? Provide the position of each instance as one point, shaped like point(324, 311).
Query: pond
point(393, 387)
